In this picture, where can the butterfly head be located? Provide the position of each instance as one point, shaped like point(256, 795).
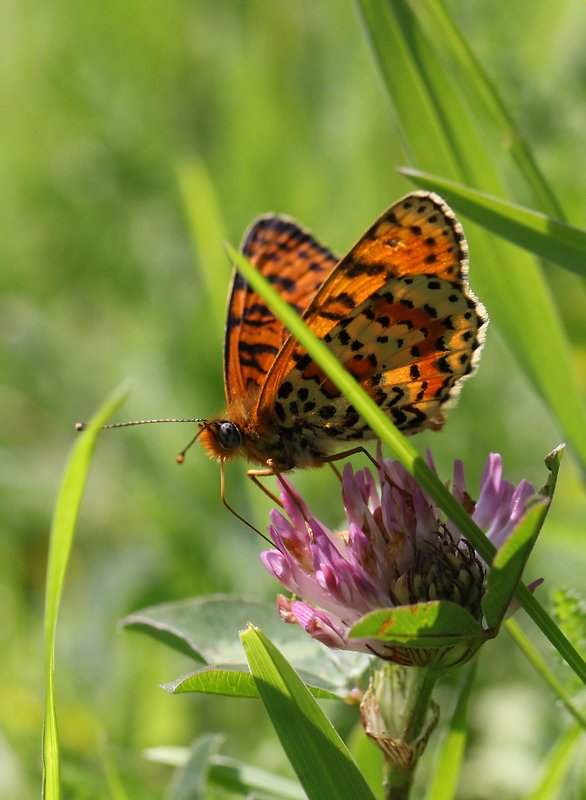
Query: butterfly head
point(221, 438)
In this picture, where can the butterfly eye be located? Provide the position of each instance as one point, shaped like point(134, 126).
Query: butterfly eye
point(229, 435)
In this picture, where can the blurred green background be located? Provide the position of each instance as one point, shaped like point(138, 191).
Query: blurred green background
point(103, 106)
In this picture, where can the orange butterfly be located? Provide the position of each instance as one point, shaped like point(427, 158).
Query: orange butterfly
point(397, 311)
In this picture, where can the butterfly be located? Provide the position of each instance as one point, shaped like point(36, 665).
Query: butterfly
point(397, 311)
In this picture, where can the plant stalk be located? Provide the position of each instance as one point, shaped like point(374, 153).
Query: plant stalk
point(416, 727)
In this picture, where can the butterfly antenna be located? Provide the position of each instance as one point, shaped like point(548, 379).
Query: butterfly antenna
point(180, 457)
point(81, 426)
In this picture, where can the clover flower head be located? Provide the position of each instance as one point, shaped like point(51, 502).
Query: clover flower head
point(396, 550)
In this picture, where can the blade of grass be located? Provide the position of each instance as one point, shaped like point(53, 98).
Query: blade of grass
point(61, 538)
point(543, 236)
point(190, 781)
point(369, 758)
point(552, 782)
point(113, 780)
point(539, 665)
point(401, 449)
point(323, 764)
point(485, 102)
point(207, 234)
point(449, 758)
point(443, 136)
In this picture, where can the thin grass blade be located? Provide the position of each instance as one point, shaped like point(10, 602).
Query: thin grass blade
point(444, 780)
point(206, 227)
point(553, 778)
point(443, 135)
point(190, 781)
point(541, 235)
point(499, 129)
point(535, 659)
point(61, 539)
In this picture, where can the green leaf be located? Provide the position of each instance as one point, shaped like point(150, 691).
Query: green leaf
point(231, 775)
point(435, 624)
point(236, 681)
point(509, 562)
point(434, 105)
point(553, 462)
point(60, 542)
point(207, 629)
point(322, 762)
point(229, 681)
point(190, 781)
point(507, 567)
point(541, 235)
point(448, 763)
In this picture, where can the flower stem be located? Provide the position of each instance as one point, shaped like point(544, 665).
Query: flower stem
point(416, 727)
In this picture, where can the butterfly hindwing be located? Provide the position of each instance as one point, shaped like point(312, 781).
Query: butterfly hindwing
point(297, 265)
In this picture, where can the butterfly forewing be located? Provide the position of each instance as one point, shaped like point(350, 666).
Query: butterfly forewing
point(398, 313)
point(297, 265)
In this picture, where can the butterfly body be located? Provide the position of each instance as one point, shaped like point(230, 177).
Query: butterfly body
point(265, 442)
point(396, 311)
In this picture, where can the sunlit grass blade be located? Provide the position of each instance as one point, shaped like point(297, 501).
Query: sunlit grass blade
point(401, 449)
point(411, 102)
point(437, 131)
point(61, 538)
point(509, 563)
point(543, 236)
point(111, 772)
point(444, 780)
point(553, 778)
point(207, 234)
point(318, 755)
point(370, 759)
point(498, 126)
point(533, 656)
point(442, 135)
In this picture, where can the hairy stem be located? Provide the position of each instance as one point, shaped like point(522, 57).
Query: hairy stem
point(416, 727)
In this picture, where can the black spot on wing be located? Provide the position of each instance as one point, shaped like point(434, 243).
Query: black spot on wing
point(248, 352)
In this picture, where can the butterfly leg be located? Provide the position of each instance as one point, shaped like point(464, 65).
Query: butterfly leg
point(336, 471)
point(233, 511)
point(346, 453)
point(255, 474)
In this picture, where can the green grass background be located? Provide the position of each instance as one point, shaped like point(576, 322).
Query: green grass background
point(102, 103)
